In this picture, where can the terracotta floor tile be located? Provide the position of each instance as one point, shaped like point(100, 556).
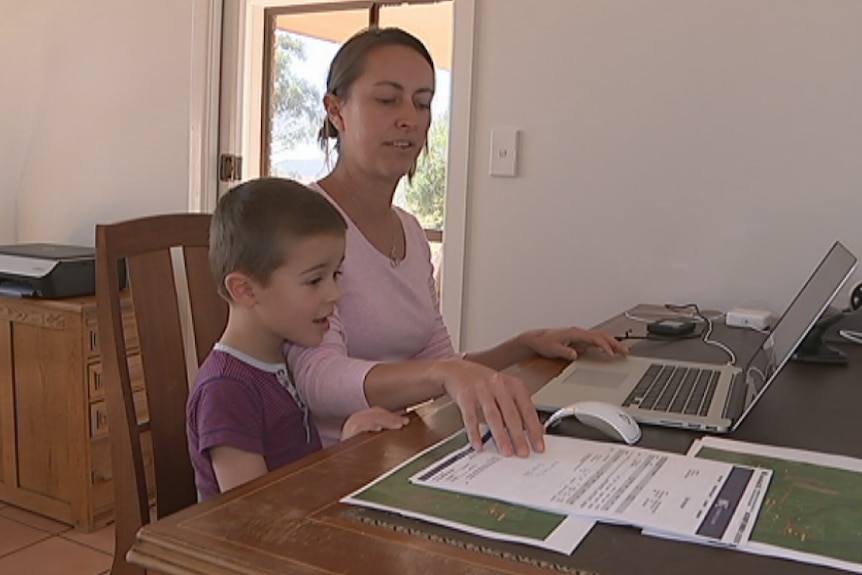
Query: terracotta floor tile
point(14, 536)
point(33, 520)
point(56, 556)
point(102, 539)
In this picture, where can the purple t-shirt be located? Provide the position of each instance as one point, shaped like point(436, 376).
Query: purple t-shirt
point(240, 402)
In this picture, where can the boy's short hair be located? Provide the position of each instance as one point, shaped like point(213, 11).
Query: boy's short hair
point(256, 223)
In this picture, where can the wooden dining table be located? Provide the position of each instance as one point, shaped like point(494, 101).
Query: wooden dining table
point(291, 520)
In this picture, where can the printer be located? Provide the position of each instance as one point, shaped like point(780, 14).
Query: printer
point(47, 271)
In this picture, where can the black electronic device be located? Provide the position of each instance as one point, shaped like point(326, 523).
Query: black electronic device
point(47, 270)
point(671, 327)
point(856, 297)
point(812, 349)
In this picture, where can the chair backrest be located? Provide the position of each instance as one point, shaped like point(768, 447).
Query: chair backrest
point(146, 246)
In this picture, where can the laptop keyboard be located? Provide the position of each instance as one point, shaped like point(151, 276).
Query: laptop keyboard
point(674, 389)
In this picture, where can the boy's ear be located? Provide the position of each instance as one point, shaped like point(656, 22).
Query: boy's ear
point(240, 288)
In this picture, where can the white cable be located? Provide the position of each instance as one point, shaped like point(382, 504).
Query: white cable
point(850, 335)
point(758, 372)
point(696, 316)
point(717, 344)
point(640, 319)
point(636, 318)
point(691, 316)
point(758, 330)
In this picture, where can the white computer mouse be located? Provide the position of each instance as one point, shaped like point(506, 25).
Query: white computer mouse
point(610, 419)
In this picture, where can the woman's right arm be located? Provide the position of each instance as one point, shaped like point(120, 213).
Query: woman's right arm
point(481, 394)
point(335, 386)
point(329, 381)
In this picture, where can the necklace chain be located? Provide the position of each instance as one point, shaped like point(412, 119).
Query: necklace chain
point(396, 223)
point(393, 253)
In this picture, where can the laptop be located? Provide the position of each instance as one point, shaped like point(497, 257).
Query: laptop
point(695, 395)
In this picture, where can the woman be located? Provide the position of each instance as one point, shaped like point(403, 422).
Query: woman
point(387, 345)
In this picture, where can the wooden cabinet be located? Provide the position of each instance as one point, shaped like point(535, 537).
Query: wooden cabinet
point(54, 453)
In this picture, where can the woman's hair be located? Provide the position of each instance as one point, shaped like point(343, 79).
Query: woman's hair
point(349, 64)
point(257, 222)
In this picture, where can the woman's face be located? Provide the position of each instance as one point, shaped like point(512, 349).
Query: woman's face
point(383, 122)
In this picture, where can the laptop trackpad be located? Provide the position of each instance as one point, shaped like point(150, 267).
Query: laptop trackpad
point(605, 379)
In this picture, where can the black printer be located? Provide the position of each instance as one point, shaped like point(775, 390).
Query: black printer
point(47, 271)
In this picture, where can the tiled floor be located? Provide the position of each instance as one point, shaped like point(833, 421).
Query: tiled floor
point(33, 545)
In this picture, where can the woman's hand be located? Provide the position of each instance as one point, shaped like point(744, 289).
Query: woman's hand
point(372, 419)
point(500, 400)
point(568, 343)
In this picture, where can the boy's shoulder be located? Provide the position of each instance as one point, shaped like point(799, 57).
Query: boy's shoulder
point(220, 365)
point(226, 382)
point(217, 363)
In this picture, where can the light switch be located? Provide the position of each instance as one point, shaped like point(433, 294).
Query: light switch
point(504, 152)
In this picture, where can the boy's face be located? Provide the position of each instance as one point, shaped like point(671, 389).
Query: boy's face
point(301, 294)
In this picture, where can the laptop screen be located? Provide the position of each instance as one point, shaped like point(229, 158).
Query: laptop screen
point(811, 301)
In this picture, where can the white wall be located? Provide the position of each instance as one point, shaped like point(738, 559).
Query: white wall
point(647, 128)
point(94, 114)
point(671, 151)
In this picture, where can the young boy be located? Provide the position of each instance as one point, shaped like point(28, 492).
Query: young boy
point(276, 249)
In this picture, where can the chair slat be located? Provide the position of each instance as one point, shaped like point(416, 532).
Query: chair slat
point(160, 334)
point(209, 312)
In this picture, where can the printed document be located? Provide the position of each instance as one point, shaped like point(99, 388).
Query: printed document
point(482, 516)
point(665, 492)
point(813, 507)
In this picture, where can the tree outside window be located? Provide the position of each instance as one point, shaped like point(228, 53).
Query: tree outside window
point(295, 106)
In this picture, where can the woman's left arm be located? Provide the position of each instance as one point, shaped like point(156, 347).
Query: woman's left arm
point(563, 343)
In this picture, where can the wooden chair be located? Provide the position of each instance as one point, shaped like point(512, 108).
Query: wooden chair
point(145, 246)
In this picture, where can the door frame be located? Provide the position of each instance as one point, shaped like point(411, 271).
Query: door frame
point(204, 111)
point(458, 169)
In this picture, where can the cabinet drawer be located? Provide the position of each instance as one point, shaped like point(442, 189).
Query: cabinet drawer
point(91, 331)
point(99, 414)
point(95, 381)
point(102, 476)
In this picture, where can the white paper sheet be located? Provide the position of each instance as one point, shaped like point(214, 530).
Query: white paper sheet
point(652, 489)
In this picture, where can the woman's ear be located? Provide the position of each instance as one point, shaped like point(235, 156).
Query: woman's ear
point(240, 288)
point(333, 111)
